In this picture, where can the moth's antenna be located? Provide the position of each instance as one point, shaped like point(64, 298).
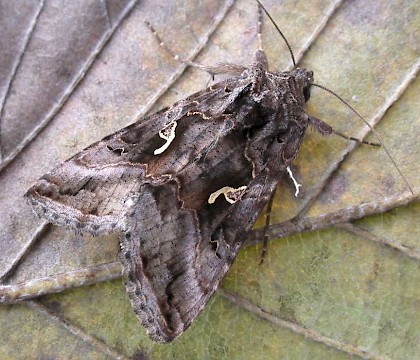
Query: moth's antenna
point(259, 26)
point(278, 29)
point(370, 127)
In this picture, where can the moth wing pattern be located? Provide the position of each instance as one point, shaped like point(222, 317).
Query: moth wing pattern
point(179, 240)
point(175, 258)
point(87, 193)
point(160, 180)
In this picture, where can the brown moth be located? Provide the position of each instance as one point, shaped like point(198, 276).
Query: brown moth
point(185, 185)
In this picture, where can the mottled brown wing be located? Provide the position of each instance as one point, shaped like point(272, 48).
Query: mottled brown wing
point(175, 256)
point(179, 242)
point(87, 193)
point(159, 181)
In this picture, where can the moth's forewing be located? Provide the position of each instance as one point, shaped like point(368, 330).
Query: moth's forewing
point(87, 193)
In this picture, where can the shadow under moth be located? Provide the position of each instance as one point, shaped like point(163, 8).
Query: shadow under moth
point(185, 185)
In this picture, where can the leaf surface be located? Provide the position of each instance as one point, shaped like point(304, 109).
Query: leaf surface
point(77, 71)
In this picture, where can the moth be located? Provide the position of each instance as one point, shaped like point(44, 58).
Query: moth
point(185, 185)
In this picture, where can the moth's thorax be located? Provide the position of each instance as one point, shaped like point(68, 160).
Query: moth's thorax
point(284, 87)
point(279, 100)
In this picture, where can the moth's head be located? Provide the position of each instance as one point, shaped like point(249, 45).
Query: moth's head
point(304, 79)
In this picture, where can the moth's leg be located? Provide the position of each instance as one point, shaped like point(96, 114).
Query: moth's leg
point(231, 69)
point(267, 225)
point(325, 129)
point(260, 64)
point(259, 27)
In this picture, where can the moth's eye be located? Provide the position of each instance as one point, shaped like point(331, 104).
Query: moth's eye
point(307, 93)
